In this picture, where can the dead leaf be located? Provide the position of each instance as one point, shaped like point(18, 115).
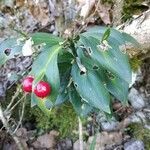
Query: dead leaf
point(20, 3)
point(86, 8)
point(104, 12)
point(40, 12)
point(105, 139)
point(46, 140)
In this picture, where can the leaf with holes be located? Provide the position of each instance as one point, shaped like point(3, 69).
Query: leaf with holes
point(112, 58)
point(91, 89)
point(81, 107)
point(115, 85)
point(9, 48)
point(121, 38)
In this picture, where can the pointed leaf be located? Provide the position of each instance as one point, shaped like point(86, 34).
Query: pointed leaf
point(48, 39)
point(11, 45)
point(91, 89)
point(46, 66)
point(81, 107)
point(112, 59)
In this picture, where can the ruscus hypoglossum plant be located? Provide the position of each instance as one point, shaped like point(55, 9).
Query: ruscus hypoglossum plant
point(86, 70)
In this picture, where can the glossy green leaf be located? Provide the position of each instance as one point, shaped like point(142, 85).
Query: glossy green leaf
point(45, 66)
point(130, 39)
point(106, 35)
point(112, 59)
point(120, 37)
point(91, 89)
point(47, 38)
point(13, 46)
point(40, 103)
point(115, 85)
point(81, 107)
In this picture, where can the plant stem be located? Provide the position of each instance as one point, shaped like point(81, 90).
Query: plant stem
point(6, 125)
point(80, 134)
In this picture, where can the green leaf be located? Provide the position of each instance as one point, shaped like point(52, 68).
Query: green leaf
point(40, 102)
point(120, 38)
point(112, 59)
point(48, 39)
point(63, 95)
point(99, 31)
point(81, 107)
point(3, 58)
point(91, 89)
point(106, 35)
point(12, 45)
point(130, 39)
point(93, 144)
point(115, 85)
point(45, 66)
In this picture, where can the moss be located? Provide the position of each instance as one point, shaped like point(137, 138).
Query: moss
point(135, 63)
point(132, 7)
point(139, 132)
point(62, 119)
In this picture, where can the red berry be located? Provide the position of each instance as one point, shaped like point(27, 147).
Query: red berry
point(42, 89)
point(27, 84)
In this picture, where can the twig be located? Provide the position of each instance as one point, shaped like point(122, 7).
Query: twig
point(17, 103)
point(80, 134)
point(21, 117)
point(13, 99)
point(5, 123)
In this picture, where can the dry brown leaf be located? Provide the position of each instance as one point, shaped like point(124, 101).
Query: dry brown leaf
point(40, 12)
point(46, 140)
point(86, 8)
point(104, 139)
point(104, 12)
point(20, 3)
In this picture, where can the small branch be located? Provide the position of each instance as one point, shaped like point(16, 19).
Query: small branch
point(80, 134)
point(13, 99)
point(5, 123)
point(17, 103)
point(21, 117)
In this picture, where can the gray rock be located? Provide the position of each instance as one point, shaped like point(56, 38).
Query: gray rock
point(134, 145)
point(134, 119)
point(76, 145)
point(141, 115)
point(109, 126)
point(136, 99)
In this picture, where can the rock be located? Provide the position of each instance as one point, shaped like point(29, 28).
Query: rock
point(136, 99)
point(46, 141)
point(104, 139)
point(76, 145)
point(66, 144)
point(134, 119)
point(141, 115)
point(109, 126)
point(138, 117)
point(134, 145)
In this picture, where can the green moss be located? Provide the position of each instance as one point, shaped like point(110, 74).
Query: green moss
point(62, 119)
point(135, 63)
point(141, 133)
point(132, 7)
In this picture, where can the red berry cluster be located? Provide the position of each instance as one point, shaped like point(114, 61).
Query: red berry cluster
point(42, 89)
